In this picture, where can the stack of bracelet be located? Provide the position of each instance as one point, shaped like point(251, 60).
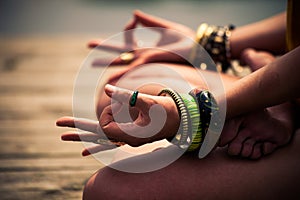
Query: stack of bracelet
point(215, 40)
point(195, 110)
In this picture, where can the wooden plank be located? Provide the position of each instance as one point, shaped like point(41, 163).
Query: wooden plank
point(36, 85)
point(49, 163)
point(66, 184)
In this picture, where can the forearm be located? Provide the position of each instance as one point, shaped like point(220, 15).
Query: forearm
point(266, 35)
point(271, 85)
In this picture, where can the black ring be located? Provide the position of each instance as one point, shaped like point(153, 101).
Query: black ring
point(133, 98)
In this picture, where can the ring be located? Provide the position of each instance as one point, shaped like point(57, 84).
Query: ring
point(127, 57)
point(133, 98)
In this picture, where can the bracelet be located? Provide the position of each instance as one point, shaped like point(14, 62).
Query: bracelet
point(196, 133)
point(216, 41)
point(185, 125)
point(208, 108)
point(195, 111)
point(195, 50)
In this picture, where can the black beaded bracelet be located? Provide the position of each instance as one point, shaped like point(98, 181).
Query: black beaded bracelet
point(208, 108)
point(216, 41)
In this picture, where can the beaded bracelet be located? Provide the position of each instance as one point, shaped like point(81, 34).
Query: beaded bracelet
point(216, 41)
point(195, 138)
point(208, 108)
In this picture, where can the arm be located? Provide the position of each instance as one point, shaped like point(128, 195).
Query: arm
point(268, 86)
point(261, 36)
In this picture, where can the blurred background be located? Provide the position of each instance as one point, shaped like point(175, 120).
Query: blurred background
point(42, 45)
point(31, 17)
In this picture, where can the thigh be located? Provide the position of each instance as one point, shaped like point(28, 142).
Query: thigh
point(218, 176)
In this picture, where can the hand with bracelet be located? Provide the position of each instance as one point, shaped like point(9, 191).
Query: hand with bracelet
point(140, 107)
point(223, 43)
point(187, 118)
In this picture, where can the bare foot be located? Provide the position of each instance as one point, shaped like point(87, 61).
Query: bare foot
point(256, 59)
point(258, 133)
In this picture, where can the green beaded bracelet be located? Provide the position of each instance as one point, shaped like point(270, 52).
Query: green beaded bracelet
point(195, 111)
point(189, 135)
point(196, 133)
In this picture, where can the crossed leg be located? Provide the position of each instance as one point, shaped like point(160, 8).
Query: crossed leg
point(216, 177)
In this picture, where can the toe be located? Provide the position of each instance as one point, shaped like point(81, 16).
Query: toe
point(234, 148)
point(247, 148)
point(256, 154)
point(230, 131)
point(268, 148)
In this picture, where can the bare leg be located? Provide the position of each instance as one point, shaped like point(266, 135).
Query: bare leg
point(215, 177)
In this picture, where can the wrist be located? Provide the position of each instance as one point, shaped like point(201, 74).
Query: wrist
point(216, 41)
point(195, 111)
point(173, 117)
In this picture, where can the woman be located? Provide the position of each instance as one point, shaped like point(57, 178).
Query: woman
point(215, 176)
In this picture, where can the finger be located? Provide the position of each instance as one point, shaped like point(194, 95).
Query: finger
point(115, 77)
point(65, 122)
point(96, 149)
point(123, 59)
point(127, 132)
point(104, 62)
point(151, 21)
point(131, 24)
point(80, 123)
point(128, 34)
point(136, 62)
point(74, 136)
point(124, 96)
point(147, 21)
point(116, 130)
point(110, 127)
point(100, 44)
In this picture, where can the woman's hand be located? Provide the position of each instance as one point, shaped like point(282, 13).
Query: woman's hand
point(151, 119)
point(175, 39)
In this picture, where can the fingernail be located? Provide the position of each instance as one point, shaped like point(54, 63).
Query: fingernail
point(62, 137)
point(85, 153)
point(110, 88)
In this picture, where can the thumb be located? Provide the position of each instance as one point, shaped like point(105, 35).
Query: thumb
point(119, 94)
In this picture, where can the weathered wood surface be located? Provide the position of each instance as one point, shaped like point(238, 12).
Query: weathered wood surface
point(36, 83)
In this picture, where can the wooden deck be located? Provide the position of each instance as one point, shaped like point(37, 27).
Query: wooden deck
point(36, 83)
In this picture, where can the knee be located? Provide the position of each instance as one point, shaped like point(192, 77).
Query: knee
point(98, 186)
point(107, 183)
point(89, 189)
